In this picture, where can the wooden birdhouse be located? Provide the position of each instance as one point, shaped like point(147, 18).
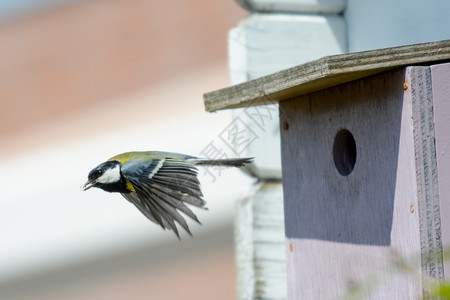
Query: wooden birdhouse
point(365, 169)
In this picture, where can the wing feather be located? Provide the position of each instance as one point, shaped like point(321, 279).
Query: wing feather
point(145, 209)
point(166, 216)
point(175, 200)
point(170, 213)
point(163, 188)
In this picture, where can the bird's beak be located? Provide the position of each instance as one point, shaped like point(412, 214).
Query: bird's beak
point(87, 185)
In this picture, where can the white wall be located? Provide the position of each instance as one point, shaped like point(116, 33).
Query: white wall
point(386, 23)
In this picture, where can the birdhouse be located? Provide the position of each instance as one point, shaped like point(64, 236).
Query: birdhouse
point(365, 168)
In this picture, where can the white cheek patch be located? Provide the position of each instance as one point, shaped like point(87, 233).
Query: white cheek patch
point(110, 176)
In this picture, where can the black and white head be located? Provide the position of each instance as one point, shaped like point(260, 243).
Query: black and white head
point(106, 176)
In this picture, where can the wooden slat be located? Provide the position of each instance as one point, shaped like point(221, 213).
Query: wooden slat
point(440, 76)
point(323, 73)
point(260, 244)
point(420, 95)
point(294, 6)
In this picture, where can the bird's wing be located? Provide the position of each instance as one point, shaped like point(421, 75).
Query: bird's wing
point(163, 188)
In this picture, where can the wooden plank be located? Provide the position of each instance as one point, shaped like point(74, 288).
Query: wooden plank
point(419, 93)
point(294, 6)
point(260, 245)
point(323, 73)
point(342, 230)
point(440, 76)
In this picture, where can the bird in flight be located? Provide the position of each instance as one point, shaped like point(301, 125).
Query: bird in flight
point(160, 184)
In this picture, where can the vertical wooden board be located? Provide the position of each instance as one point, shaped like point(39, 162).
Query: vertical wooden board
point(260, 246)
point(268, 242)
point(245, 277)
point(440, 75)
point(344, 229)
point(419, 93)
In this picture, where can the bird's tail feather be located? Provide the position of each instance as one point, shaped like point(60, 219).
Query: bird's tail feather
point(227, 162)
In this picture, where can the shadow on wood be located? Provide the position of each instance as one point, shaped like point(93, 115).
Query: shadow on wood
point(323, 203)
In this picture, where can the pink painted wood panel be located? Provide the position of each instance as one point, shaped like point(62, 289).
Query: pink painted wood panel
point(440, 75)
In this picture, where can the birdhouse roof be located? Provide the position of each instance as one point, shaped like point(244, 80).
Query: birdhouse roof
point(323, 73)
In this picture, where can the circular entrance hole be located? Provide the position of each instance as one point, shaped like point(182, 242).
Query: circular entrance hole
point(344, 152)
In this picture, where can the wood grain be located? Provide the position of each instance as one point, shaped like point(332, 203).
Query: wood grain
point(419, 94)
point(323, 73)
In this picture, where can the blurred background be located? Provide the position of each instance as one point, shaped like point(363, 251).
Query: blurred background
point(81, 81)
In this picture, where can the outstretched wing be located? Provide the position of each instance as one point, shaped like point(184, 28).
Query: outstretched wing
point(163, 188)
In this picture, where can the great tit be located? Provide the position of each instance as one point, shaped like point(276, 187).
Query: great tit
point(159, 184)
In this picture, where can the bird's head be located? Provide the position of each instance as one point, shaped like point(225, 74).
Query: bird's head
point(105, 176)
